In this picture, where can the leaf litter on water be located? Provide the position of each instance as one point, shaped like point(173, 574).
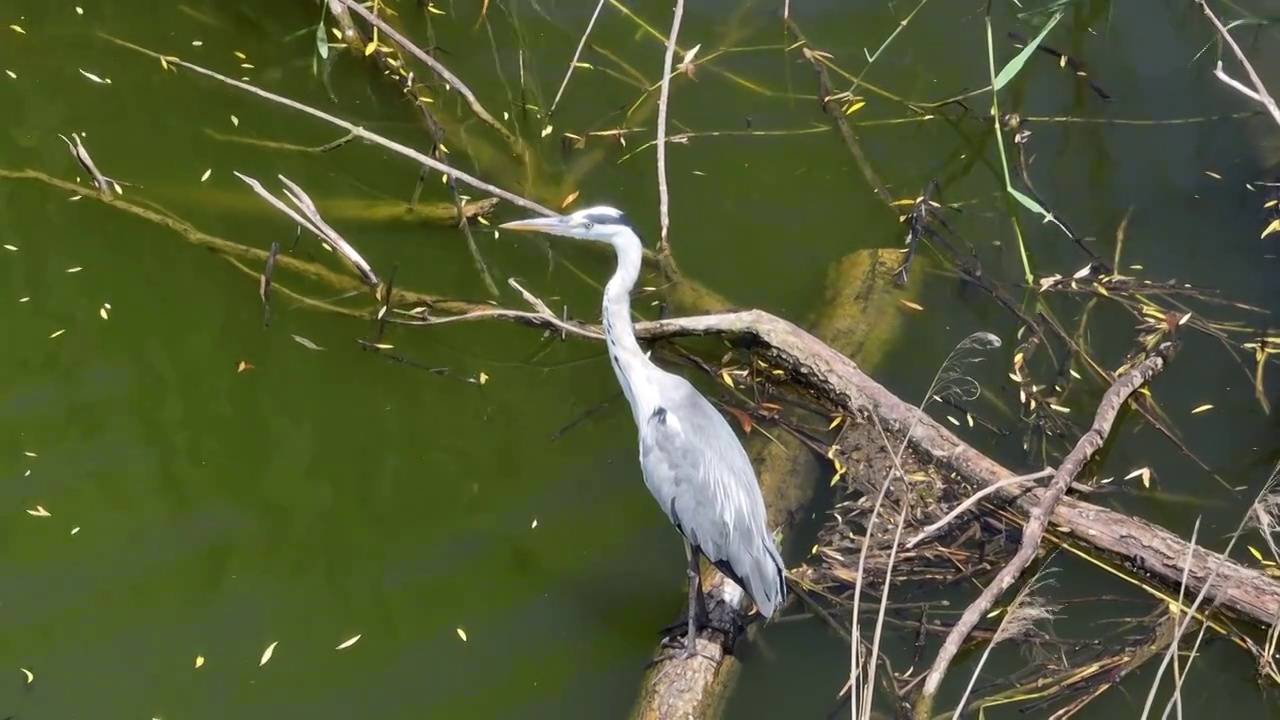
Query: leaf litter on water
point(40, 512)
point(348, 643)
point(306, 343)
point(30, 675)
point(266, 654)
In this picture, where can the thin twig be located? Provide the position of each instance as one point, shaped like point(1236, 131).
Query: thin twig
point(1259, 92)
point(81, 154)
point(664, 199)
point(355, 130)
point(973, 500)
point(453, 81)
point(309, 217)
point(574, 62)
point(1110, 405)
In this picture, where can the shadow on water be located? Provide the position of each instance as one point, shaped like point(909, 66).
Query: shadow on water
point(200, 511)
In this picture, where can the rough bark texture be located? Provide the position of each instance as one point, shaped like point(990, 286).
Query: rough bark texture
point(838, 380)
point(860, 296)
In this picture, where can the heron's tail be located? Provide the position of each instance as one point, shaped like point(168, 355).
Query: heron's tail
point(761, 573)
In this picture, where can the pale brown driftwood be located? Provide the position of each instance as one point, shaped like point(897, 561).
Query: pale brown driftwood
point(1037, 522)
point(857, 318)
point(837, 380)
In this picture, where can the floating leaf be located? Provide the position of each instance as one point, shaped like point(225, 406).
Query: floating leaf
point(913, 306)
point(95, 78)
point(243, 366)
point(30, 675)
point(569, 199)
point(462, 634)
point(546, 131)
point(348, 643)
point(534, 526)
point(11, 248)
point(235, 121)
point(1202, 408)
point(74, 269)
point(18, 29)
point(483, 378)
point(28, 453)
point(743, 419)
point(75, 530)
point(102, 311)
point(39, 512)
point(306, 343)
point(266, 655)
point(199, 661)
point(56, 333)
point(206, 174)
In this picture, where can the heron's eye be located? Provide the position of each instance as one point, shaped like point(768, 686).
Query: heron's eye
point(589, 225)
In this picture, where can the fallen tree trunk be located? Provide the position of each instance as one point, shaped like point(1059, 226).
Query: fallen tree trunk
point(836, 379)
point(860, 297)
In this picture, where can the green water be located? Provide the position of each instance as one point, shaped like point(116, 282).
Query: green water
point(322, 494)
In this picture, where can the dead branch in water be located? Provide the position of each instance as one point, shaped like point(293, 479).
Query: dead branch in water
point(1110, 405)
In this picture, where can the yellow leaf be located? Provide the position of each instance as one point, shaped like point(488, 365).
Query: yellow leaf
point(1254, 552)
point(724, 375)
point(266, 655)
point(569, 199)
point(30, 676)
point(39, 512)
point(546, 131)
point(102, 311)
point(1202, 408)
point(348, 643)
point(835, 422)
point(1274, 226)
point(483, 378)
point(913, 306)
point(199, 660)
point(462, 634)
point(18, 29)
point(368, 49)
point(855, 107)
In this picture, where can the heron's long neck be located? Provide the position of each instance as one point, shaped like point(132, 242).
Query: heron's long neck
point(633, 368)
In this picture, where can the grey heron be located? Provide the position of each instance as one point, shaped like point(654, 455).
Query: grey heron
point(692, 462)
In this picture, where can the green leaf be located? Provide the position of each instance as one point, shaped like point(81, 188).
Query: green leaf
point(1014, 67)
point(322, 42)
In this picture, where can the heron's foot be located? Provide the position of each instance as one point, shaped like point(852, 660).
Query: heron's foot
point(679, 628)
point(678, 648)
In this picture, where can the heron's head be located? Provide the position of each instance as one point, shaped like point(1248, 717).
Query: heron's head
point(600, 223)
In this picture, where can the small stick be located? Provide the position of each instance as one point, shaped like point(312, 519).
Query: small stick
point(453, 81)
point(664, 199)
point(264, 284)
point(959, 509)
point(313, 222)
point(81, 154)
point(354, 130)
point(574, 62)
point(1259, 92)
point(1112, 402)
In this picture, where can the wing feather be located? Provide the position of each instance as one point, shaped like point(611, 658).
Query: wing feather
point(701, 476)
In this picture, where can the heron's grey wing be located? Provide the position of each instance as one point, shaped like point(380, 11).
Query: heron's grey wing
point(699, 472)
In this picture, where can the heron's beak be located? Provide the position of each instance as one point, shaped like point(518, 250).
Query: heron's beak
point(554, 225)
